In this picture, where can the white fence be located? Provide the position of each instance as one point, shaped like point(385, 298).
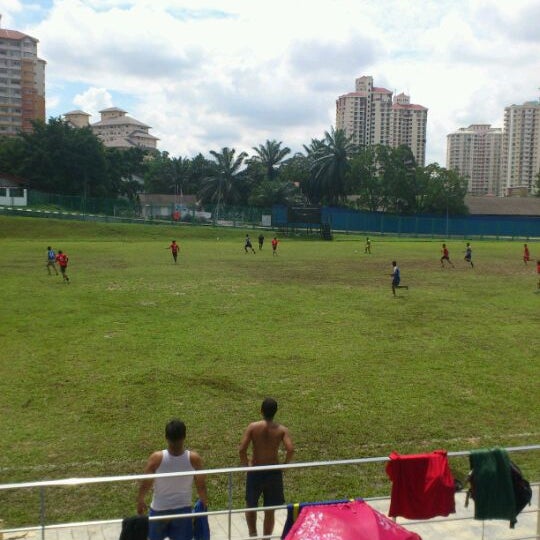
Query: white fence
point(461, 525)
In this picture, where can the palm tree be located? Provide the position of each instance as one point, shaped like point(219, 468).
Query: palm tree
point(270, 156)
point(330, 164)
point(268, 193)
point(223, 186)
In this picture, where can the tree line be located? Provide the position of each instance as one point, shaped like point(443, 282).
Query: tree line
point(59, 158)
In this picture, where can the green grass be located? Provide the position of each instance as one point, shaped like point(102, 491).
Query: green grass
point(91, 372)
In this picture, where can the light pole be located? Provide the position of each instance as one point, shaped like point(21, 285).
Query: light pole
point(446, 215)
point(446, 186)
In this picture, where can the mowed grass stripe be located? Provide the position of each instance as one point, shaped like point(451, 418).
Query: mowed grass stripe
point(91, 371)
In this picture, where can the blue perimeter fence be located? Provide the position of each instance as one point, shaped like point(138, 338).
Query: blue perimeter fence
point(339, 219)
point(349, 220)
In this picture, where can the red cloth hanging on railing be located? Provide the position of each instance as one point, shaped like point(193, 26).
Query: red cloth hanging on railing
point(422, 485)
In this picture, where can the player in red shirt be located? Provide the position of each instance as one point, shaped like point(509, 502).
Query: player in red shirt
point(174, 247)
point(526, 254)
point(62, 259)
point(275, 243)
point(445, 256)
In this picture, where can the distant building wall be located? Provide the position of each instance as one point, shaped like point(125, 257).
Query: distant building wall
point(13, 196)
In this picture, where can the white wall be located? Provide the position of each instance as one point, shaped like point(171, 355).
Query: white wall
point(7, 197)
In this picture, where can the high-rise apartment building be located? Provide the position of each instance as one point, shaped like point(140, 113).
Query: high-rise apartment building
point(22, 83)
point(521, 147)
point(369, 117)
point(475, 153)
point(409, 122)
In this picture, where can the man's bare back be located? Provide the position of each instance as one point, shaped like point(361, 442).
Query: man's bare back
point(266, 437)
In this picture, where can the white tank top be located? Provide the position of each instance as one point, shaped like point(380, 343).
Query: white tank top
point(175, 491)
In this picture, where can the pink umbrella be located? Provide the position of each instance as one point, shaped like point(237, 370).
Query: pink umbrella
point(346, 521)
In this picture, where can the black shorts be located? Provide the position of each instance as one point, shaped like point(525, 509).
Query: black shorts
point(63, 269)
point(395, 282)
point(267, 483)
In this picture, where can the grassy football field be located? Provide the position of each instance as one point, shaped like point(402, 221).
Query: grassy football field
point(91, 371)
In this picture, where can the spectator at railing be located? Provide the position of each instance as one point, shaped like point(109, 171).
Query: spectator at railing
point(172, 495)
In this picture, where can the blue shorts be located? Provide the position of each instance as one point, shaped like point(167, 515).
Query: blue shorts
point(395, 282)
point(175, 529)
point(267, 483)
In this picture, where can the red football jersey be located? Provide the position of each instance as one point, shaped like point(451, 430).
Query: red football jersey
point(62, 259)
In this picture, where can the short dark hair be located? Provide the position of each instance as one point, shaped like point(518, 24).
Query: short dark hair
point(394, 263)
point(175, 430)
point(269, 408)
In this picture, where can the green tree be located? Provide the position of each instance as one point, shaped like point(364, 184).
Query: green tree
point(200, 168)
point(123, 166)
point(224, 185)
point(443, 191)
point(269, 192)
point(330, 166)
point(11, 155)
point(364, 181)
point(295, 170)
point(59, 158)
point(397, 168)
point(165, 174)
point(270, 155)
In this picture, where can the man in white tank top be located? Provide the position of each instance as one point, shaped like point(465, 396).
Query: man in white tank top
point(172, 495)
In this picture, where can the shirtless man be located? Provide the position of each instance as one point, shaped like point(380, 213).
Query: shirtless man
point(266, 437)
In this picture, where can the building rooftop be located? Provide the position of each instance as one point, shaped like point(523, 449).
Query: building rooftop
point(503, 206)
point(120, 142)
point(354, 94)
point(143, 135)
point(381, 90)
point(10, 180)
point(120, 120)
point(409, 106)
point(78, 111)
point(113, 109)
point(14, 34)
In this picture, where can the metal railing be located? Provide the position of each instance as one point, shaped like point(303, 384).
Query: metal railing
point(229, 511)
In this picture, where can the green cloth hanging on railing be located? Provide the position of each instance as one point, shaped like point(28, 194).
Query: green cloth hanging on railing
point(492, 488)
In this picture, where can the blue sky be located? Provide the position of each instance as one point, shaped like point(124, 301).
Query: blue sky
point(211, 73)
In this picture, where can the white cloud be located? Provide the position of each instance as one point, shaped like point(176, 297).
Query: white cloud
point(10, 8)
point(210, 73)
point(93, 100)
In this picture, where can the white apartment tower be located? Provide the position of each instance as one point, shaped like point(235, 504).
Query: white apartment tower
point(369, 117)
point(22, 82)
point(409, 123)
point(475, 153)
point(521, 147)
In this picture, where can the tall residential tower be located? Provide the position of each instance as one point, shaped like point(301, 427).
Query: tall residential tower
point(521, 147)
point(475, 153)
point(22, 82)
point(369, 116)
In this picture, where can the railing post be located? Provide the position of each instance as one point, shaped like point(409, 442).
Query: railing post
point(42, 511)
point(230, 503)
point(538, 514)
